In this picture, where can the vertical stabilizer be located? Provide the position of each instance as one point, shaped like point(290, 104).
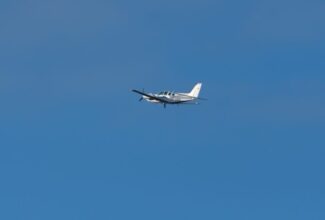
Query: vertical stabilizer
point(196, 90)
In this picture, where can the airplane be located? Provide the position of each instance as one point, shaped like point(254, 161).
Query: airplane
point(171, 98)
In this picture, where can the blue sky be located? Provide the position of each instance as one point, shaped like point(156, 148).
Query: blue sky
point(76, 144)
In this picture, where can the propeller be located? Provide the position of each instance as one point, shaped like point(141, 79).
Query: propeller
point(141, 96)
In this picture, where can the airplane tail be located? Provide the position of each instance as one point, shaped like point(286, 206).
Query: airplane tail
point(196, 90)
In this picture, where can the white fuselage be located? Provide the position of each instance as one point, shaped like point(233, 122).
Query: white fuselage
point(169, 97)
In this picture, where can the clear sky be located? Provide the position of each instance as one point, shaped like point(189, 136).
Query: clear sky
point(75, 143)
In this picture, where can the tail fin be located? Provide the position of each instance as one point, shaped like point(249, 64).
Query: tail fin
point(196, 90)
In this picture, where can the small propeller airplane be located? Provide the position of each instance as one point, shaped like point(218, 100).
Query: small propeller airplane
point(168, 97)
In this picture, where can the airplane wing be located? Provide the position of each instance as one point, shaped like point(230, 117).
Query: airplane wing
point(150, 96)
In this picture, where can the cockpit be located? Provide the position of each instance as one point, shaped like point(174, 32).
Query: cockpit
point(166, 93)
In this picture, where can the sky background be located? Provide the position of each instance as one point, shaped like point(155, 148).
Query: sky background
point(75, 143)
